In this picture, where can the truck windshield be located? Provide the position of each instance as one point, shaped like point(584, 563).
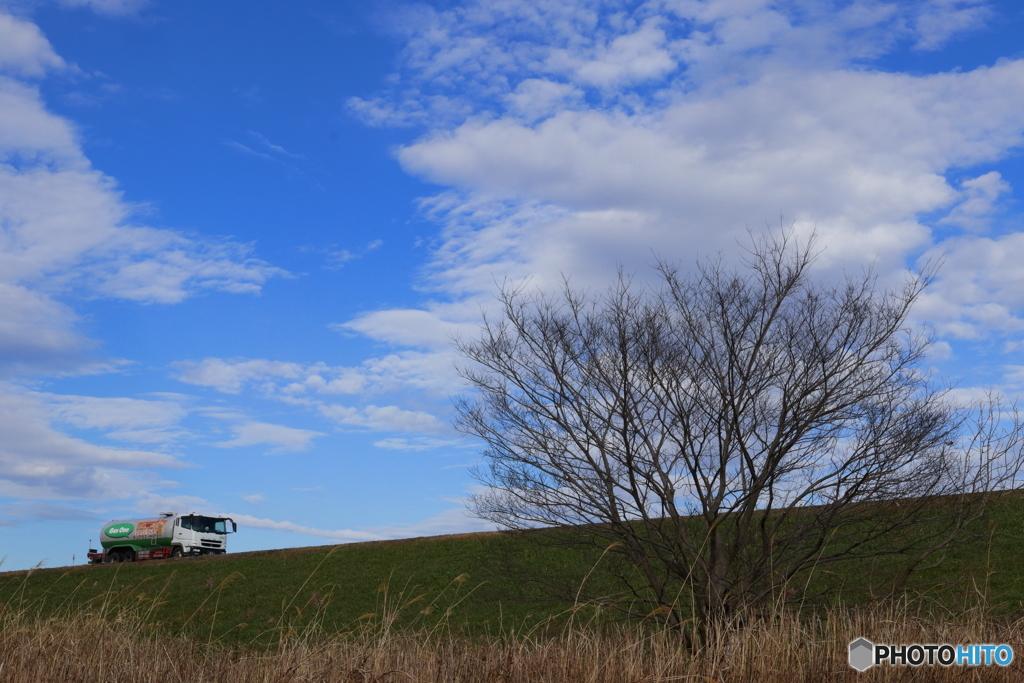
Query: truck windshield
point(206, 525)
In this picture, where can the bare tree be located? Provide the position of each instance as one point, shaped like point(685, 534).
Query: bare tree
point(729, 431)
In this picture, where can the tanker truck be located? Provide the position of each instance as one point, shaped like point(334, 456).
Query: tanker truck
point(169, 535)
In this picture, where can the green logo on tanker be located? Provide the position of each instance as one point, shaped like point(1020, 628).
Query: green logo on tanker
point(119, 530)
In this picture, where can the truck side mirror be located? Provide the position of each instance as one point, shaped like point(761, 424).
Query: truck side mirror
point(234, 527)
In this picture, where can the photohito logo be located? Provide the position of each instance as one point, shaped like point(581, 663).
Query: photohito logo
point(864, 654)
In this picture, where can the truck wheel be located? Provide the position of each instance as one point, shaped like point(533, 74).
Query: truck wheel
point(116, 556)
point(128, 556)
point(177, 551)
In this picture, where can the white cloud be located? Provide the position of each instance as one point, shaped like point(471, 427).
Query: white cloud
point(123, 419)
point(384, 418)
point(421, 443)
point(66, 222)
point(283, 439)
point(253, 498)
point(980, 196)
point(461, 59)
point(30, 132)
point(229, 376)
point(631, 58)
point(23, 48)
point(37, 461)
point(405, 327)
point(157, 266)
point(309, 385)
point(37, 333)
point(430, 371)
point(981, 289)
point(115, 413)
point(941, 19)
point(702, 168)
point(536, 98)
point(344, 535)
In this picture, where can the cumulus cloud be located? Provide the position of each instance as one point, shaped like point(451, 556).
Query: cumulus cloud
point(701, 168)
point(431, 374)
point(428, 371)
point(941, 19)
point(40, 462)
point(384, 418)
point(470, 56)
point(979, 201)
point(635, 57)
point(283, 439)
point(23, 48)
point(537, 98)
point(157, 266)
point(123, 419)
point(576, 137)
point(38, 334)
point(406, 327)
point(982, 286)
point(229, 376)
point(311, 386)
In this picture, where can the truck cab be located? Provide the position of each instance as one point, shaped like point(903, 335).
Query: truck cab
point(200, 535)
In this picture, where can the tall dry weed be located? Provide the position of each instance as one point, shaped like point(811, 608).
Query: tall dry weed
point(106, 644)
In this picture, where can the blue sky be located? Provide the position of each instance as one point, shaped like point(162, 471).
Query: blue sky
point(236, 238)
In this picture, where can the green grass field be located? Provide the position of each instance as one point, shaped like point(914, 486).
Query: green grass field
point(340, 587)
point(455, 582)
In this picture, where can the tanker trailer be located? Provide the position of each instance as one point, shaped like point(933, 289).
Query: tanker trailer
point(169, 535)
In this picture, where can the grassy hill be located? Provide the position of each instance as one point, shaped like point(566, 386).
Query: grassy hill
point(455, 582)
point(449, 580)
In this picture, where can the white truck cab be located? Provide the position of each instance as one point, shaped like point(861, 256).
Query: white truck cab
point(200, 535)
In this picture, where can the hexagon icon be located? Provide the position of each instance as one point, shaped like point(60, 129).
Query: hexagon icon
point(862, 654)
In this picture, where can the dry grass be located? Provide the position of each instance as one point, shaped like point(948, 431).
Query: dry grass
point(104, 644)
